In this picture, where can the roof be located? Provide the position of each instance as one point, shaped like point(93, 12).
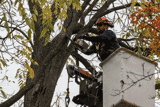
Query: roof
point(123, 103)
point(130, 52)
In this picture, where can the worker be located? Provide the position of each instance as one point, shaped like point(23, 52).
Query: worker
point(105, 43)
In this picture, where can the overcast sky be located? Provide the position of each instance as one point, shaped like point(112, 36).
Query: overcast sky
point(12, 88)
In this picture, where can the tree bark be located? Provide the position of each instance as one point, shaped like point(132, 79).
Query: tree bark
point(41, 94)
point(52, 57)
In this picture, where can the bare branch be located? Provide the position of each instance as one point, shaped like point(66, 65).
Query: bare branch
point(117, 8)
point(83, 61)
point(85, 4)
point(120, 39)
point(15, 28)
point(18, 95)
point(88, 10)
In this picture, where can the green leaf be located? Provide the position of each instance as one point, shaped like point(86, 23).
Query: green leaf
point(72, 62)
point(15, 2)
point(4, 64)
point(34, 17)
point(47, 39)
point(20, 81)
point(139, 50)
point(123, 36)
point(27, 21)
point(4, 18)
point(133, 3)
point(29, 34)
point(32, 26)
point(35, 11)
point(18, 36)
point(70, 2)
point(43, 32)
point(6, 26)
point(0, 67)
point(64, 29)
point(144, 32)
point(22, 85)
point(7, 78)
point(30, 71)
point(18, 70)
point(51, 27)
point(4, 95)
point(119, 20)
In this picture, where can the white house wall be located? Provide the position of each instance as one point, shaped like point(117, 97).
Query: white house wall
point(121, 66)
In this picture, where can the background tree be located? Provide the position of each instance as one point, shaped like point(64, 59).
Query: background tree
point(41, 40)
point(146, 25)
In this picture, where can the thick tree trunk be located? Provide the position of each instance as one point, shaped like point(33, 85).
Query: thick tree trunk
point(41, 95)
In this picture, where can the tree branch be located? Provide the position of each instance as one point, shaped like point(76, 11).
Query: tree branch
point(35, 80)
point(83, 61)
point(87, 11)
point(15, 28)
point(54, 18)
point(85, 4)
point(117, 8)
point(24, 36)
point(120, 39)
point(19, 94)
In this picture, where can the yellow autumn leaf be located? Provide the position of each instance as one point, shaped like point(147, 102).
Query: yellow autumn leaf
point(3, 63)
point(3, 93)
point(43, 32)
point(35, 63)
point(133, 3)
point(30, 70)
point(34, 17)
point(22, 85)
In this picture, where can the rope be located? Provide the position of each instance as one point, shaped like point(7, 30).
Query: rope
point(67, 99)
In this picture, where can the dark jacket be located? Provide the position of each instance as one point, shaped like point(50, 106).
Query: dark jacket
point(107, 43)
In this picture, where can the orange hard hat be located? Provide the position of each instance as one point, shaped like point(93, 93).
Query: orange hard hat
point(104, 21)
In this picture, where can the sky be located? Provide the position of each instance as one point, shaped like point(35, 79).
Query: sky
point(12, 88)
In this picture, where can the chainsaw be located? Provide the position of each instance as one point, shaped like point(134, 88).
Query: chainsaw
point(82, 45)
point(90, 93)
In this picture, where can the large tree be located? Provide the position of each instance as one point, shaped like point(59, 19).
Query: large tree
point(42, 51)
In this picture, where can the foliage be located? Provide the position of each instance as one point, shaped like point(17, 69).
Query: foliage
point(22, 41)
point(147, 25)
point(18, 40)
point(3, 93)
